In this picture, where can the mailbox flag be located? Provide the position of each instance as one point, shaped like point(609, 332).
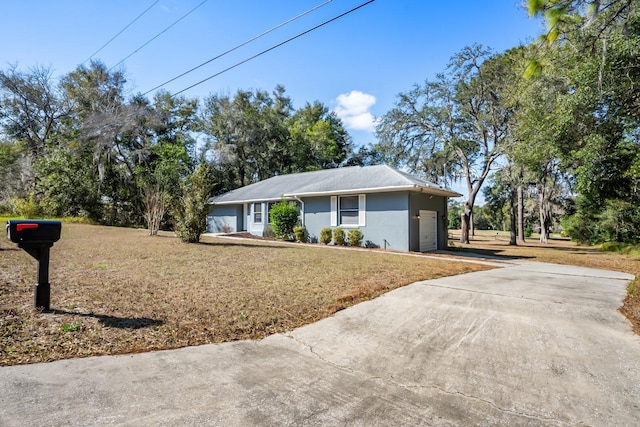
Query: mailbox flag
point(20, 227)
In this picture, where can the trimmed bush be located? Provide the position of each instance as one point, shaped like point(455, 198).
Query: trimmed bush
point(325, 235)
point(338, 237)
point(355, 237)
point(284, 216)
point(300, 233)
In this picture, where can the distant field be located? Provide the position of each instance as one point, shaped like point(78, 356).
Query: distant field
point(118, 290)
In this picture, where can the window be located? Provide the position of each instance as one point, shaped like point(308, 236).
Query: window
point(348, 211)
point(257, 213)
point(269, 206)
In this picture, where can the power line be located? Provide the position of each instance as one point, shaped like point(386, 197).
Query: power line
point(121, 31)
point(240, 45)
point(158, 35)
point(128, 115)
point(273, 47)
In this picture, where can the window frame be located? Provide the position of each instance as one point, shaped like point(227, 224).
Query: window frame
point(254, 213)
point(336, 217)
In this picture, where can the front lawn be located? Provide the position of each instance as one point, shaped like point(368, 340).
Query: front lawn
point(117, 290)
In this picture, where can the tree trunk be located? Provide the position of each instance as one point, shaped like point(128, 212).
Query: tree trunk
point(545, 214)
point(520, 213)
point(512, 218)
point(464, 226)
point(472, 225)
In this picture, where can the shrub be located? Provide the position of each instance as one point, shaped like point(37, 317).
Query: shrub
point(355, 237)
point(28, 208)
point(284, 217)
point(300, 233)
point(191, 216)
point(338, 237)
point(325, 235)
point(268, 232)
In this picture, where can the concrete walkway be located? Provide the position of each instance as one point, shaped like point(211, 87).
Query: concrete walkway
point(528, 344)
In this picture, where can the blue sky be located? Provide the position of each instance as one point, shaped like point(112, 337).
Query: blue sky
point(356, 65)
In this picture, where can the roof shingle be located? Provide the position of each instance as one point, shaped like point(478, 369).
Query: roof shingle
point(331, 181)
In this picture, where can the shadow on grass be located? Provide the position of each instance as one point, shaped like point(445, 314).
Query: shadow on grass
point(115, 322)
point(240, 241)
point(494, 254)
point(259, 244)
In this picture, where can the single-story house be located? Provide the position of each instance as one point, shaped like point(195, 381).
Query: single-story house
point(391, 208)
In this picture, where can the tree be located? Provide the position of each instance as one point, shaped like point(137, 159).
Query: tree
point(31, 111)
point(9, 170)
point(457, 124)
point(247, 134)
point(254, 136)
point(30, 107)
point(566, 16)
point(140, 152)
point(318, 139)
point(192, 214)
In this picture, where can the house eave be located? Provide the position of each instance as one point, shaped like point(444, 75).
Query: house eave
point(238, 202)
point(436, 191)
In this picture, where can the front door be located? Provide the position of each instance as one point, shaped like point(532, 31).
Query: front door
point(428, 231)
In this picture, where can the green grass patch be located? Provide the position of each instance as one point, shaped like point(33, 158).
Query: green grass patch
point(622, 248)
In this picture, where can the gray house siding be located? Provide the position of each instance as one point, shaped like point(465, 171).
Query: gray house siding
point(418, 202)
point(224, 219)
point(386, 219)
point(317, 215)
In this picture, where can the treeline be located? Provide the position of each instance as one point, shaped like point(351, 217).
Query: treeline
point(83, 146)
point(550, 132)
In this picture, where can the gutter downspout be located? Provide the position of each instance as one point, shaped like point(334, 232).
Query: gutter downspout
point(301, 211)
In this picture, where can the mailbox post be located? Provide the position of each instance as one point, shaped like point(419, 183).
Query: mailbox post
point(36, 237)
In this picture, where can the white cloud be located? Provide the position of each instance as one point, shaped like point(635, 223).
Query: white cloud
point(353, 110)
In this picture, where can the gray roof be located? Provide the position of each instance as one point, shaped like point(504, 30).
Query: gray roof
point(355, 179)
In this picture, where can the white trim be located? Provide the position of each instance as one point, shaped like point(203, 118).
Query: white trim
point(427, 190)
point(362, 210)
point(253, 213)
point(334, 211)
point(436, 191)
point(245, 217)
point(301, 211)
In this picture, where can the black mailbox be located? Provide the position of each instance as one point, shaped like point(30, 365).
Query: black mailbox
point(28, 231)
point(36, 237)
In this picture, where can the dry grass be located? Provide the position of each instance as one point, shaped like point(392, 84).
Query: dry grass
point(562, 252)
point(116, 290)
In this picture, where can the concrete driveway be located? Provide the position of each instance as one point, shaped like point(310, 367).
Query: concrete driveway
point(529, 344)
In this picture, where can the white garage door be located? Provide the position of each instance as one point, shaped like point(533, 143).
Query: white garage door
point(428, 231)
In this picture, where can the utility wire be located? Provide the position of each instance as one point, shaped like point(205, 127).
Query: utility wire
point(158, 35)
point(121, 31)
point(127, 115)
point(273, 47)
point(239, 46)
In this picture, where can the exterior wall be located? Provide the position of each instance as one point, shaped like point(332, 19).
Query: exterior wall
point(386, 219)
point(256, 228)
point(222, 216)
point(390, 219)
point(317, 215)
point(421, 201)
